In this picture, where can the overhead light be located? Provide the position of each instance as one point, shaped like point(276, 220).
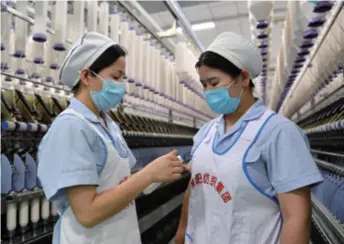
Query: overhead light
point(200, 26)
point(203, 26)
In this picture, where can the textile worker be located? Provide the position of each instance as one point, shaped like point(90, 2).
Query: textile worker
point(251, 168)
point(84, 162)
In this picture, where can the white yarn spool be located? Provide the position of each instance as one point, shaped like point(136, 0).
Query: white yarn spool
point(70, 32)
point(307, 9)
point(173, 81)
point(5, 42)
point(163, 74)
point(20, 31)
point(34, 211)
point(168, 79)
point(141, 59)
point(124, 29)
point(148, 69)
point(79, 15)
point(131, 61)
point(115, 20)
point(92, 15)
point(104, 18)
point(23, 213)
point(260, 9)
point(152, 69)
point(60, 23)
point(297, 25)
point(123, 41)
point(41, 18)
point(145, 67)
point(53, 210)
point(181, 60)
point(157, 79)
point(132, 45)
point(45, 213)
point(11, 217)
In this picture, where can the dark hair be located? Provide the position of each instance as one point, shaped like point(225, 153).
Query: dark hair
point(215, 61)
point(108, 57)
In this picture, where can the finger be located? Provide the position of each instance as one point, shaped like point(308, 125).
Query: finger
point(173, 158)
point(177, 170)
point(186, 167)
point(176, 176)
point(173, 153)
point(175, 163)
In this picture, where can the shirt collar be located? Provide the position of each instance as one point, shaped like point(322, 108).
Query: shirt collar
point(81, 108)
point(254, 112)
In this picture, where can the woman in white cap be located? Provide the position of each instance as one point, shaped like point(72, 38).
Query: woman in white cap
point(84, 162)
point(251, 168)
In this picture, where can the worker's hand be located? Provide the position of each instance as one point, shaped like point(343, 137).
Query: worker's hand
point(166, 168)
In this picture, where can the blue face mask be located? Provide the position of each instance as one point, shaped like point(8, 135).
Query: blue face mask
point(221, 102)
point(110, 96)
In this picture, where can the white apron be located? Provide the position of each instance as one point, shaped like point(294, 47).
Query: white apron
point(226, 207)
point(123, 227)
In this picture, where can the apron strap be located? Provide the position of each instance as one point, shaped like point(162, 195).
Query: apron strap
point(71, 111)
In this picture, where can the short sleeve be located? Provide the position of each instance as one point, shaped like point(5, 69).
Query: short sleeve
point(290, 164)
point(65, 156)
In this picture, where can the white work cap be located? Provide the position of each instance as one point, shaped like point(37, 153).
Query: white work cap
point(82, 55)
point(239, 51)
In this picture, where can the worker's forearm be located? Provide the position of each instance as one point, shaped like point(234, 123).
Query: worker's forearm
point(185, 209)
point(112, 201)
point(180, 235)
point(295, 231)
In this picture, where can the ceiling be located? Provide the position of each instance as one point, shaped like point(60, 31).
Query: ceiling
point(227, 16)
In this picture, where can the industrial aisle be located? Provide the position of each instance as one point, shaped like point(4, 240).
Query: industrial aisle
point(302, 49)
